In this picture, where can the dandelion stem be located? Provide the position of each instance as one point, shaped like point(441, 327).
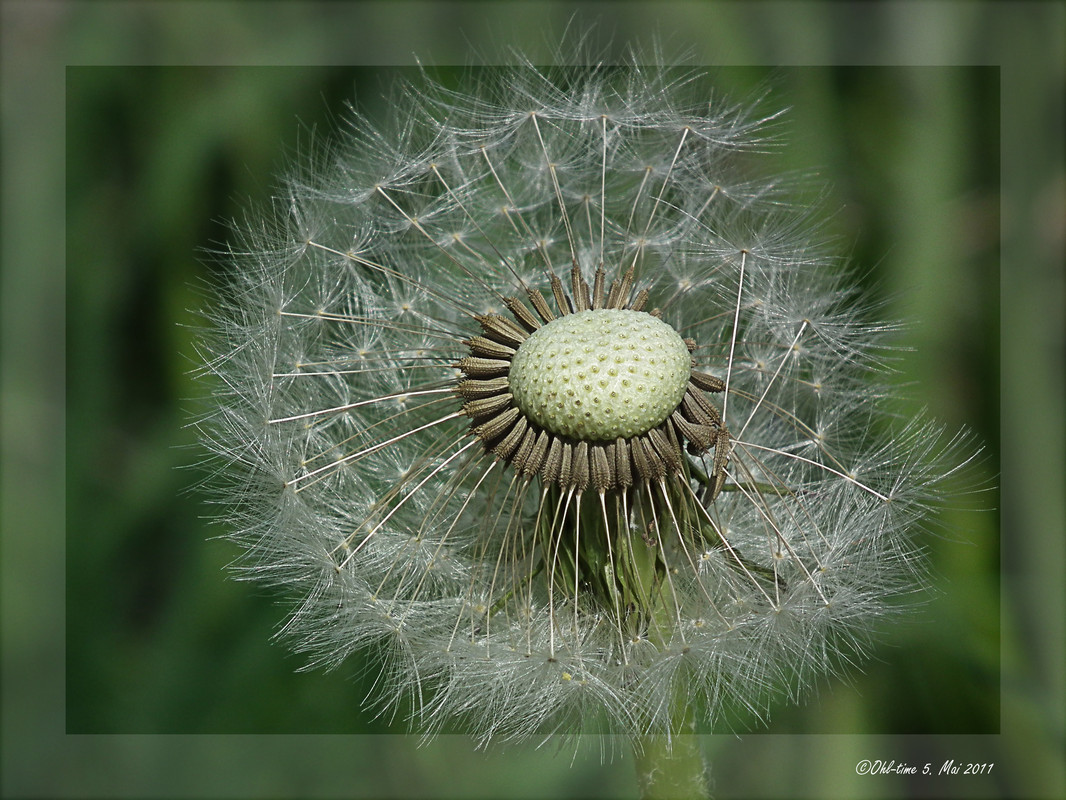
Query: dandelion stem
point(672, 765)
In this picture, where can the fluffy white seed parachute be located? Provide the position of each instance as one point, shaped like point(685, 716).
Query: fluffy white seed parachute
point(525, 578)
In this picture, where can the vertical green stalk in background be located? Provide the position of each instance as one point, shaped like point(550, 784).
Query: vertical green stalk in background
point(674, 767)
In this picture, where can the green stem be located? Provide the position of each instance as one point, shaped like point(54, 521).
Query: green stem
point(671, 768)
point(592, 549)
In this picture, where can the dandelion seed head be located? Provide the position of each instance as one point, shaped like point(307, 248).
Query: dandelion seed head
point(600, 374)
point(538, 393)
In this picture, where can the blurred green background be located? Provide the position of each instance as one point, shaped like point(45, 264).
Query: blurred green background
point(132, 660)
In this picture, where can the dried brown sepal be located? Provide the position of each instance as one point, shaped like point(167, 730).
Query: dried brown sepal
point(522, 314)
point(501, 329)
point(524, 452)
point(600, 472)
point(566, 464)
point(540, 305)
point(618, 296)
point(668, 453)
point(483, 347)
point(579, 290)
point(497, 426)
point(722, 448)
point(622, 465)
point(485, 407)
point(597, 287)
point(477, 367)
point(509, 443)
point(553, 461)
point(700, 437)
point(475, 388)
point(708, 383)
point(699, 409)
point(579, 466)
point(562, 302)
point(538, 454)
point(639, 301)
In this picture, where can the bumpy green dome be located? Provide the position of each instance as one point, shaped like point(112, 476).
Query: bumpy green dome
point(597, 375)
